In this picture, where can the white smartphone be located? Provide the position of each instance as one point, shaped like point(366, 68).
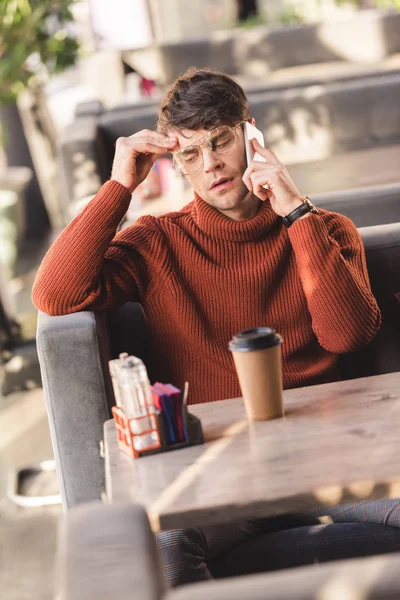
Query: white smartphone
point(251, 132)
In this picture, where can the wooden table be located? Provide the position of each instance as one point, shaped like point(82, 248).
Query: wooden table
point(338, 442)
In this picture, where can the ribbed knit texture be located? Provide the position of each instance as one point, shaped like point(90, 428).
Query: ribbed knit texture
point(201, 277)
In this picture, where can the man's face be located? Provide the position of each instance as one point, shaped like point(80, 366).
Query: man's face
point(219, 181)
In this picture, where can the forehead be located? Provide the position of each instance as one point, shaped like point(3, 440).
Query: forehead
point(188, 137)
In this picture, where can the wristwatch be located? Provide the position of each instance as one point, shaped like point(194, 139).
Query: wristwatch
point(301, 210)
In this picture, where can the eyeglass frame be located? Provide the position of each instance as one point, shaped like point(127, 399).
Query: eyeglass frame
point(201, 143)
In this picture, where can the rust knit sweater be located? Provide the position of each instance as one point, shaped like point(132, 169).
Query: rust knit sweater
point(201, 277)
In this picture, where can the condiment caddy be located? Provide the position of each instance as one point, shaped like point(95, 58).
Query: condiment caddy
point(149, 419)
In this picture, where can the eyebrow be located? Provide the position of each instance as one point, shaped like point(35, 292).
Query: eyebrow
point(187, 149)
point(198, 141)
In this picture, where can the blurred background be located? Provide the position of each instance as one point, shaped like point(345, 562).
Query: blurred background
point(323, 80)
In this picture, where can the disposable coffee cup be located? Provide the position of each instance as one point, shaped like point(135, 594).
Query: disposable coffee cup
point(257, 357)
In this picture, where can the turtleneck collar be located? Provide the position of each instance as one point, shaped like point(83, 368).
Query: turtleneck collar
point(214, 223)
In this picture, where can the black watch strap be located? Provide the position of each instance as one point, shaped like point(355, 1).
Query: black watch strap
point(298, 212)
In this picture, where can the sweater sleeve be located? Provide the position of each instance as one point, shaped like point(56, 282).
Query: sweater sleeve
point(331, 262)
point(88, 266)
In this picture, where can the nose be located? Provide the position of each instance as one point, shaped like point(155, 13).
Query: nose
point(211, 161)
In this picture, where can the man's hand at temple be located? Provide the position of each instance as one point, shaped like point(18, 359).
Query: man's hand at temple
point(271, 180)
point(135, 155)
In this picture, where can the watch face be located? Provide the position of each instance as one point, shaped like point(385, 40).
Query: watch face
point(312, 206)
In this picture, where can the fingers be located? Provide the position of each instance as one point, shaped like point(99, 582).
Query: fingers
point(247, 180)
point(146, 147)
point(260, 187)
point(154, 137)
point(269, 156)
point(147, 142)
point(258, 171)
point(257, 184)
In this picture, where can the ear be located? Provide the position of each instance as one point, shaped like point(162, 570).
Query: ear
point(252, 121)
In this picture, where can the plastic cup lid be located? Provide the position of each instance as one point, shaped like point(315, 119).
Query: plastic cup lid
point(258, 338)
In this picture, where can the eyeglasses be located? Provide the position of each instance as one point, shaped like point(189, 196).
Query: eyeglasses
point(221, 140)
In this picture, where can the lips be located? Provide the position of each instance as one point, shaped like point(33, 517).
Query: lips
point(220, 182)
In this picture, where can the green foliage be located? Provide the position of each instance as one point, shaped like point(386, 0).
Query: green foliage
point(253, 21)
point(287, 16)
point(35, 40)
point(290, 15)
point(388, 4)
point(360, 4)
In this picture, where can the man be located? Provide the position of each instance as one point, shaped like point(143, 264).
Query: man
point(249, 250)
point(225, 262)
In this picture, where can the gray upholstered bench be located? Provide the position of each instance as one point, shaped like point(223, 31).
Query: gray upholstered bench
point(74, 350)
point(108, 551)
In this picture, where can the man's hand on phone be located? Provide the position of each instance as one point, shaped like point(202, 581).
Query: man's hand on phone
point(271, 180)
point(135, 155)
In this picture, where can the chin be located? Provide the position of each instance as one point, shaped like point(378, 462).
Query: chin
point(229, 201)
point(225, 203)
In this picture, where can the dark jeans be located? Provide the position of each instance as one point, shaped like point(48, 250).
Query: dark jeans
point(336, 532)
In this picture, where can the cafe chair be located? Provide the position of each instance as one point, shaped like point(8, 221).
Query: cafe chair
point(74, 351)
point(109, 551)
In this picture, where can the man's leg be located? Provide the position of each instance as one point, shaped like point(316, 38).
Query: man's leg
point(306, 546)
point(184, 553)
point(382, 512)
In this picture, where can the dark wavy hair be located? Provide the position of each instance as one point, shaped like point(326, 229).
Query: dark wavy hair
point(202, 99)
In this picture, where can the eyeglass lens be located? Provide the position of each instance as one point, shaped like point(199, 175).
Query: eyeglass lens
point(219, 141)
